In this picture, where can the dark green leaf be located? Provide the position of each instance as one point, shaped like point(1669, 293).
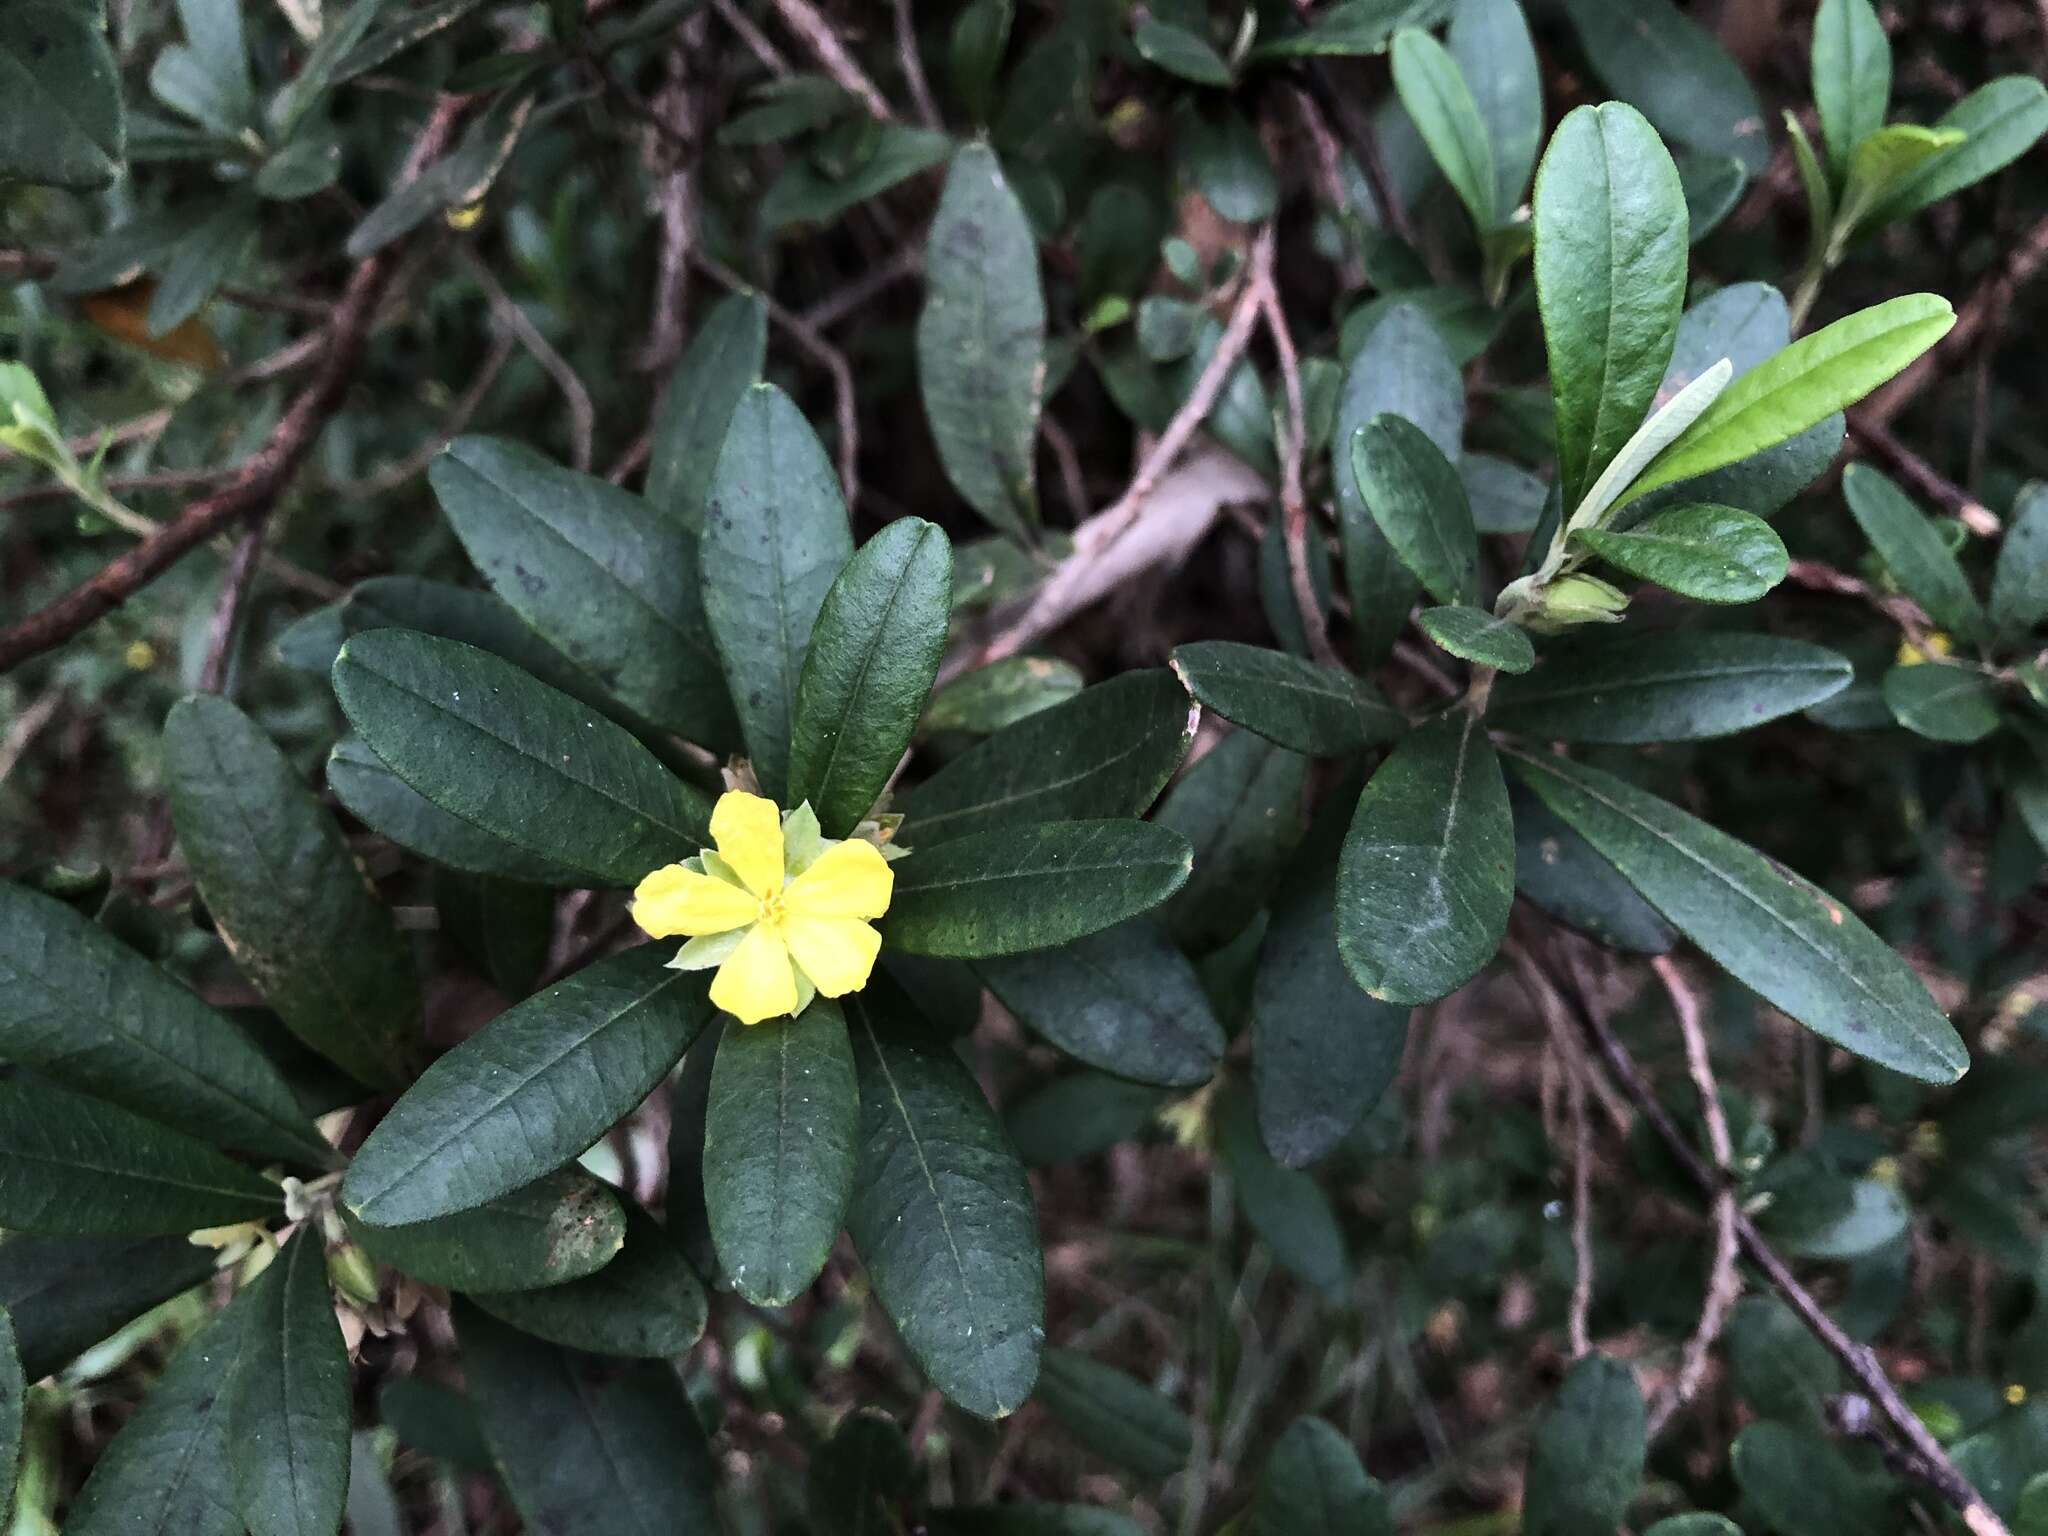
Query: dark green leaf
point(386, 804)
point(288, 898)
point(209, 252)
point(552, 1231)
point(1913, 552)
point(62, 124)
point(1416, 497)
point(1287, 1208)
point(873, 655)
point(513, 757)
point(775, 537)
point(1713, 186)
point(1676, 686)
point(1023, 888)
point(647, 1302)
point(1558, 870)
point(941, 1212)
point(1586, 1457)
point(1999, 122)
point(529, 1091)
point(1610, 278)
point(588, 1446)
point(1428, 868)
point(461, 176)
point(1670, 66)
point(13, 1391)
point(288, 1410)
point(1401, 368)
point(67, 1293)
point(1276, 584)
point(1942, 702)
point(607, 580)
point(502, 927)
point(1474, 635)
point(2019, 584)
point(1180, 52)
point(434, 1420)
point(1312, 1485)
point(1240, 808)
point(1107, 751)
point(1434, 90)
point(1125, 1000)
point(1323, 711)
point(84, 1009)
point(1079, 1115)
point(1116, 1417)
point(75, 1167)
point(1802, 1486)
point(862, 1477)
point(1709, 553)
point(1505, 498)
point(806, 194)
point(723, 361)
point(1491, 43)
point(1744, 322)
point(779, 1149)
point(1002, 693)
point(1852, 76)
point(1780, 1369)
point(1800, 949)
point(1221, 154)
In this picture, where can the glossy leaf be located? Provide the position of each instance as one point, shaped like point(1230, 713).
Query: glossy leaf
point(529, 1091)
point(1708, 553)
point(75, 1167)
point(1024, 888)
point(1610, 257)
point(873, 655)
point(1415, 496)
point(387, 805)
point(779, 1148)
point(941, 1213)
point(1586, 1456)
point(598, 572)
point(2019, 583)
point(1914, 553)
point(588, 1446)
point(775, 538)
point(1819, 374)
point(288, 1410)
point(646, 1303)
point(85, 1010)
point(1490, 41)
point(1433, 88)
point(1559, 871)
point(66, 1294)
point(1852, 76)
point(1999, 122)
point(1669, 65)
point(287, 897)
point(1474, 635)
point(1240, 808)
point(724, 359)
point(1793, 944)
point(1125, 1000)
point(981, 341)
point(1113, 1415)
point(1313, 1485)
point(1297, 703)
point(1107, 751)
point(1942, 702)
point(62, 124)
point(489, 744)
point(1002, 693)
point(1286, 1207)
point(1675, 686)
point(1428, 867)
point(557, 1229)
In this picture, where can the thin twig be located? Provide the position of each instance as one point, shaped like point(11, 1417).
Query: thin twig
point(25, 727)
point(582, 416)
point(758, 42)
point(805, 20)
point(260, 478)
point(834, 307)
point(913, 66)
point(1072, 484)
point(1877, 438)
point(395, 474)
point(227, 610)
point(1294, 514)
point(1578, 1327)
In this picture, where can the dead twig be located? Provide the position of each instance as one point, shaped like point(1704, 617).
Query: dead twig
point(1877, 440)
point(1294, 513)
point(582, 415)
point(758, 42)
point(833, 308)
point(395, 474)
point(913, 66)
point(234, 597)
point(809, 24)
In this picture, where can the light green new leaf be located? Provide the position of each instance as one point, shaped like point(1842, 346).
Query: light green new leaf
point(981, 342)
point(1818, 375)
point(555, 1230)
point(1685, 82)
point(1586, 1456)
point(1821, 246)
point(941, 1212)
point(1290, 700)
point(2019, 583)
point(1433, 89)
point(873, 655)
point(1852, 76)
point(1800, 949)
point(529, 1091)
point(1415, 495)
point(1179, 52)
point(602, 577)
point(646, 1304)
point(1942, 702)
point(1999, 122)
point(779, 1141)
point(723, 361)
point(1107, 751)
point(1610, 225)
point(1114, 1415)
point(1428, 869)
point(85, 1010)
point(1659, 431)
point(1474, 635)
point(775, 538)
point(1884, 160)
point(1313, 1485)
point(62, 122)
point(288, 898)
point(75, 1167)
point(288, 1414)
point(1017, 889)
point(529, 765)
point(1708, 553)
point(1495, 55)
point(1912, 550)
point(588, 1446)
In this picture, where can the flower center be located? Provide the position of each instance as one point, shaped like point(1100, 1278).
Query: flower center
point(771, 910)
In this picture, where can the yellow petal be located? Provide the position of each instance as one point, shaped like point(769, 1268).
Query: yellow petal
point(756, 983)
point(850, 879)
point(748, 831)
point(674, 900)
point(837, 953)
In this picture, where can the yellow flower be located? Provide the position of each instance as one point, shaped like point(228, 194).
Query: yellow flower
point(782, 912)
